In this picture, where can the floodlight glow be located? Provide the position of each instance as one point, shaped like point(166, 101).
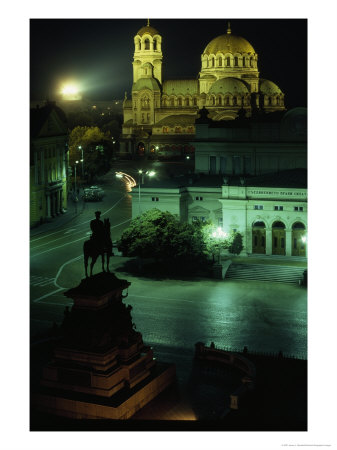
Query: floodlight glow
point(69, 89)
point(150, 174)
point(304, 239)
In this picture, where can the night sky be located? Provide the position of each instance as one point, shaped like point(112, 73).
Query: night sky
point(98, 53)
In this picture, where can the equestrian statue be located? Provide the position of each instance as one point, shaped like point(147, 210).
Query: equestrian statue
point(99, 244)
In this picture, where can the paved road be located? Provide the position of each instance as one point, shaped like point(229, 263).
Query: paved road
point(172, 315)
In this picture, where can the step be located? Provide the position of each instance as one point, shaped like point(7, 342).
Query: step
point(259, 272)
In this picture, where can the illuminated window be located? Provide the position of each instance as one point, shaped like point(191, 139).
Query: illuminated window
point(165, 129)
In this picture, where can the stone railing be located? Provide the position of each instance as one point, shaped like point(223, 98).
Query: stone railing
point(232, 359)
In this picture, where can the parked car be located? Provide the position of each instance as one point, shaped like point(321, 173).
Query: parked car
point(93, 194)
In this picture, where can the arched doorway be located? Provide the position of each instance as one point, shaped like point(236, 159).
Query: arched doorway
point(278, 239)
point(259, 237)
point(140, 149)
point(299, 239)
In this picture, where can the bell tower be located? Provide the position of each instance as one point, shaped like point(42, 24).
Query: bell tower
point(147, 58)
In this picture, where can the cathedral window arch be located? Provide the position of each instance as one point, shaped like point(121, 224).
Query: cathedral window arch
point(251, 62)
point(219, 100)
point(227, 100)
point(228, 61)
point(187, 102)
point(180, 101)
point(195, 101)
point(165, 129)
point(145, 102)
point(213, 100)
point(244, 61)
point(236, 61)
point(164, 101)
point(235, 101)
point(147, 44)
point(154, 44)
point(278, 101)
point(172, 101)
point(220, 61)
point(177, 130)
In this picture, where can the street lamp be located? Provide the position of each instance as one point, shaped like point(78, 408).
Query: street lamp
point(82, 160)
point(219, 234)
point(141, 174)
point(76, 162)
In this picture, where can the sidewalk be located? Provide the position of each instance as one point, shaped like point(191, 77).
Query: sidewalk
point(73, 210)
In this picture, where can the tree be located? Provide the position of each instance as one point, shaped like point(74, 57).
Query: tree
point(97, 150)
point(159, 235)
point(215, 239)
point(236, 244)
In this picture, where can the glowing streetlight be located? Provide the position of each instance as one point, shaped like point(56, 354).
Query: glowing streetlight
point(70, 91)
point(82, 160)
point(141, 173)
point(76, 199)
point(219, 234)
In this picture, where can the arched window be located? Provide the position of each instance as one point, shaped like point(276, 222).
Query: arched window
point(244, 61)
point(270, 101)
point(228, 61)
point(277, 100)
point(177, 130)
point(172, 102)
point(187, 102)
point(164, 102)
point(165, 129)
point(251, 62)
point(235, 102)
point(180, 102)
point(227, 101)
point(195, 101)
point(154, 44)
point(147, 44)
point(212, 100)
point(236, 61)
point(220, 61)
point(219, 100)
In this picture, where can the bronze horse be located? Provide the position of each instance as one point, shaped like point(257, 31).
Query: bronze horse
point(93, 249)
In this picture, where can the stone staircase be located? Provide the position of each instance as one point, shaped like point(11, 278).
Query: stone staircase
point(261, 272)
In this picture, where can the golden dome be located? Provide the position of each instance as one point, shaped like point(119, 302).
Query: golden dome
point(149, 30)
point(228, 43)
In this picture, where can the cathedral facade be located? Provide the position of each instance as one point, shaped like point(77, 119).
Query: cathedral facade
point(159, 118)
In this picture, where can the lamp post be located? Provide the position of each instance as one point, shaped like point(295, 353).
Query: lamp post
point(219, 234)
point(76, 162)
point(141, 174)
point(82, 160)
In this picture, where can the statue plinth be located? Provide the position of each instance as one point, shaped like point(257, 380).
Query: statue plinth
point(101, 367)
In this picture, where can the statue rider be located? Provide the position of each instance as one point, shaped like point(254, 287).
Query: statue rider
point(98, 232)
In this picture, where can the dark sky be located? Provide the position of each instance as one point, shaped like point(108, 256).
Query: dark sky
point(98, 53)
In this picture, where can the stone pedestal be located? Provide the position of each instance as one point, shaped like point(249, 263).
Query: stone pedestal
point(101, 367)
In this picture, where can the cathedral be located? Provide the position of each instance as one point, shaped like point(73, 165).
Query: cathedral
point(159, 118)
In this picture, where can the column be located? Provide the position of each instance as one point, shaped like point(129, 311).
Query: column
point(288, 242)
point(48, 206)
point(269, 246)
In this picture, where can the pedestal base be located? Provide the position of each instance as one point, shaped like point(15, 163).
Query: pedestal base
point(122, 405)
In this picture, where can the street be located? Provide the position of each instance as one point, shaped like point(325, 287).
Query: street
point(172, 315)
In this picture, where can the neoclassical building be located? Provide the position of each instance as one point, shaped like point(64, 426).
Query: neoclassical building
point(160, 115)
point(48, 163)
point(250, 176)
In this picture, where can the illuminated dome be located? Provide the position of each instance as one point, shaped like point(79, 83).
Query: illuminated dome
point(149, 30)
point(267, 87)
point(229, 43)
point(231, 85)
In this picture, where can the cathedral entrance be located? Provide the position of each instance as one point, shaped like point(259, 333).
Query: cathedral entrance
point(299, 238)
point(259, 238)
point(278, 239)
point(140, 149)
